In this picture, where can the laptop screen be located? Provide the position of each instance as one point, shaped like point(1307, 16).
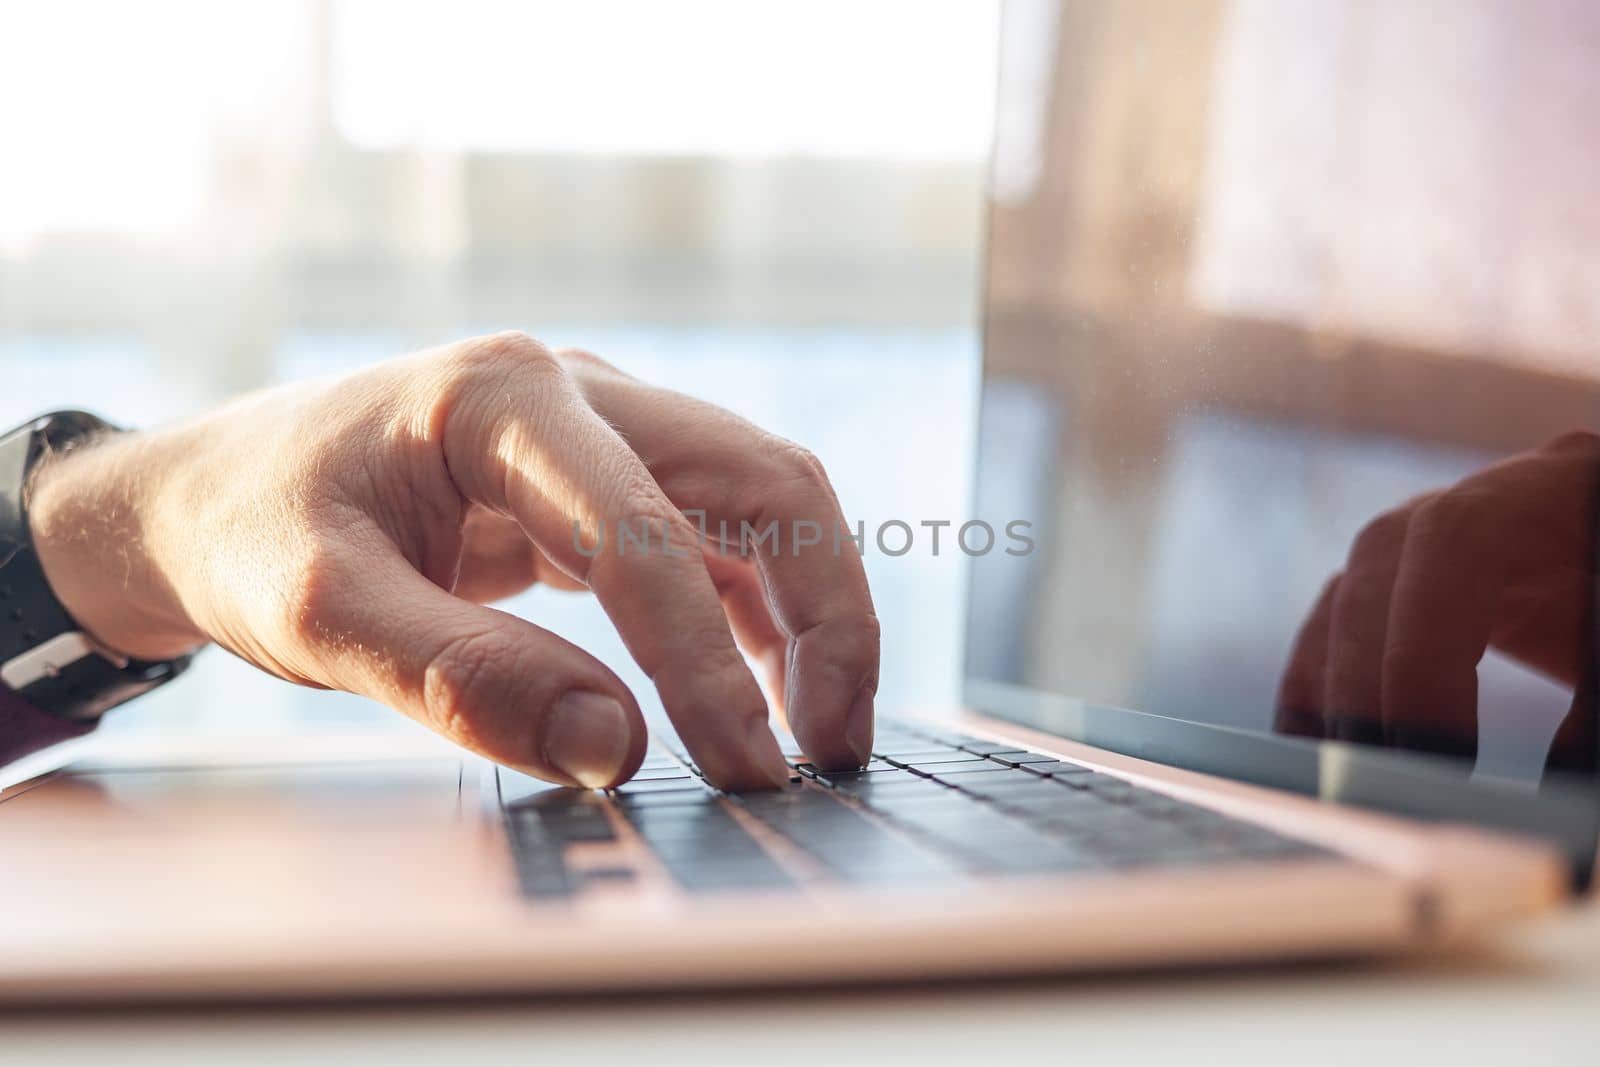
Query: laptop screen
point(1292, 375)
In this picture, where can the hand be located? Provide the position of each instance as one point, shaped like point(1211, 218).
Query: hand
point(1504, 559)
point(344, 534)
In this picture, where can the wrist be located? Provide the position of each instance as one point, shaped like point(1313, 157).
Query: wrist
point(91, 517)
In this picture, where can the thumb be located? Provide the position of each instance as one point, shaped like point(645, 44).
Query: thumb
point(485, 679)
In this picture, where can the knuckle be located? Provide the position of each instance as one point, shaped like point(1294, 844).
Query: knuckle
point(1382, 538)
point(498, 357)
point(798, 462)
point(638, 499)
point(481, 387)
point(640, 522)
point(1405, 660)
point(861, 630)
point(583, 356)
point(717, 676)
point(514, 345)
point(868, 638)
point(1451, 513)
point(853, 638)
point(1583, 439)
point(675, 524)
point(312, 601)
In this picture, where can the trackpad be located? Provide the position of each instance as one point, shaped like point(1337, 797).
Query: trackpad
point(318, 843)
point(385, 789)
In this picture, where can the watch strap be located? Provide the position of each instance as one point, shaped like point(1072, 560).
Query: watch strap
point(46, 657)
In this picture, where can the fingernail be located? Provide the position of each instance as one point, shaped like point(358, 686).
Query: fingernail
point(768, 755)
point(587, 738)
point(858, 727)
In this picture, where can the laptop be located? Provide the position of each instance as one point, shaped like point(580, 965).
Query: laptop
point(1242, 358)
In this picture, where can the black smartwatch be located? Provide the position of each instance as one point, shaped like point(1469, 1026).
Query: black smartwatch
point(46, 658)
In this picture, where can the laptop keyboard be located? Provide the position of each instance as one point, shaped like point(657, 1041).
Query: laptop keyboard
point(932, 808)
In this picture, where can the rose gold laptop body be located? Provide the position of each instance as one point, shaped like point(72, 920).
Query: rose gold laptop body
point(248, 870)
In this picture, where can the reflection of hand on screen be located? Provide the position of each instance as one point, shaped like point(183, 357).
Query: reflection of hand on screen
point(1504, 559)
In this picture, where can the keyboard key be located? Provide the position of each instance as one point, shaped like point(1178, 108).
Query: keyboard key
point(1053, 804)
point(663, 798)
point(659, 785)
point(992, 843)
point(1155, 805)
point(959, 774)
point(704, 877)
point(978, 765)
point(921, 760)
point(567, 830)
point(899, 864)
point(1013, 781)
point(703, 847)
point(984, 748)
point(848, 843)
point(831, 777)
point(666, 833)
point(880, 785)
point(1057, 769)
point(1018, 757)
point(544, 883)
point(540, 827)
point(1009, 778)
point(661, 774)
point(970, 823)
point(945, 737)
point(568, 814)
point(1108, 788)
point(801, 798)
point(915, 748)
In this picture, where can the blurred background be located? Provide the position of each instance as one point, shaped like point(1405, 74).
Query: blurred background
point(775, 206)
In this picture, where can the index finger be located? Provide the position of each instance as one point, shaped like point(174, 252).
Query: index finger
point(1442, 614)
point(760, 488)
point(519, 438)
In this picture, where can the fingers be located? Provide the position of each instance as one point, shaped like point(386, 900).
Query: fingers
point(1301, 691)
point(1504, 558)
point(498, 560)
point(519, 438)
point(769, 490)
point(1389, 653)
point(1441, 617)
point(366, 621)
point(744, 600)
point(1352, 700)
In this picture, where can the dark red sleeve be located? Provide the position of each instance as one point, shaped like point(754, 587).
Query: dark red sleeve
point(25, 729)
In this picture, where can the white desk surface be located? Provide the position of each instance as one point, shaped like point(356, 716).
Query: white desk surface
point(1531, 999)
